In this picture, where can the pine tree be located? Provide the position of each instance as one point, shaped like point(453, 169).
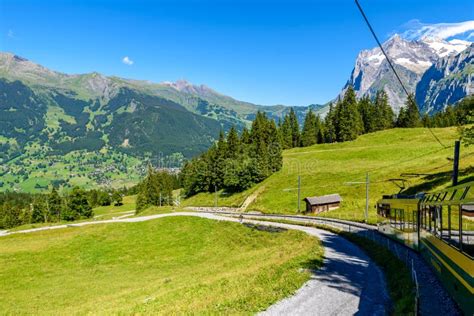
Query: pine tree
point(426, 120)
point(349, 119)
point(330, 129)
point(286, 132)
point(383, 111)
point(40, 213)
point(275, 148)
point(295, 129)
point(55, 204)
point(233, 143)
point(78, 206)
point(156, 189)
point(222, 146)
point(402, 118)
point(413, 115)
point(319, 129)
point(245, 137)
point(309, 133)
point(367, 112)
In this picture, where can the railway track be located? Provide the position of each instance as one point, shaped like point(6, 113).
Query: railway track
point(432, 297)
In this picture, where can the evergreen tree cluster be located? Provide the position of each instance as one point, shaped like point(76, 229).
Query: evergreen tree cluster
point(156, 189)
point(349, 118)
point(409, 116)
point(22, 208)
point(236, 162)
point(346, 120)
point(458, 114)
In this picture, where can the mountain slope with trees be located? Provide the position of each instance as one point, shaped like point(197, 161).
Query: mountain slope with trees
point(411, 154)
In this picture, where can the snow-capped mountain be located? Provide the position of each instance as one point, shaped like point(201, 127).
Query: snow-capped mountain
point(450, 79)
point(411, 59)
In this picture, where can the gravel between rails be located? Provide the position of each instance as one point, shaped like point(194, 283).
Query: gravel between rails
point(348, 283)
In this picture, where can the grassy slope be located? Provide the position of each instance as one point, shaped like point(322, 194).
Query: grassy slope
point(171, 265)
point(325, 169)
point(128, 205)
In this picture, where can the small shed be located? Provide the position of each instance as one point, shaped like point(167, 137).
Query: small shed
point(318, 204)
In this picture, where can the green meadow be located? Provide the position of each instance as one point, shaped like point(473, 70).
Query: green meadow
point(166, 266)
point(409, 154)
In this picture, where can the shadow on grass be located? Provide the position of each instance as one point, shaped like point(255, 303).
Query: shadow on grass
point(437, 179)
point(312, 264)
point(269, 229)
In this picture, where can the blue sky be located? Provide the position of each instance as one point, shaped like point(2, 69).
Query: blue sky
point(266, 52)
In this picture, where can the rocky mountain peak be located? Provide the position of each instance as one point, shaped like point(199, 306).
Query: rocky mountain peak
point(183, 85)
point(447, 81)
point(411, 58)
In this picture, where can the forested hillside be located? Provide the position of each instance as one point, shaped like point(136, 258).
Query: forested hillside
point(396, 160)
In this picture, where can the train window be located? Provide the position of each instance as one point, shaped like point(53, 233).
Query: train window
point(454, 226)
point(444, 222)
point(467, 229)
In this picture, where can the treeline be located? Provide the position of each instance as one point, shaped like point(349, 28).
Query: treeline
point(345, 120)
point(236, 162)
point(22, 208)
point(457, 115)
point(156, 189)
point(350, 117)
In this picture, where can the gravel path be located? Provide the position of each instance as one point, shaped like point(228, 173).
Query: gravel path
point(348, 283)
point(434, 300)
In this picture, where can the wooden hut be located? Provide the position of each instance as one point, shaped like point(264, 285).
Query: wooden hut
point(318, 204)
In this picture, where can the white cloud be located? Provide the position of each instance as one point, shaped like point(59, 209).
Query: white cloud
point(416, 30)
point(10, 34)
point(127, 61)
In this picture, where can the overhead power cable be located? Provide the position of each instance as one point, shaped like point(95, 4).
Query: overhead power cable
point(392, 67)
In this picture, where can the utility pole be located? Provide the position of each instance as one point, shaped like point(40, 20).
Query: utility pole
point(367, 183)
point(456, 162)
point(299, 192)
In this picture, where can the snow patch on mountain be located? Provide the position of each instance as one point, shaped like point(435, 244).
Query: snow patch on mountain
point(417, 66)
point(444, 48)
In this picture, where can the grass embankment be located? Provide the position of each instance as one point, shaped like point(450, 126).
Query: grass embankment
point(411, 154)
point(397, 275)
point(167, 266)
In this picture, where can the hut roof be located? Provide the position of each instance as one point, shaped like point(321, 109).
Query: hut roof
point(324, 199)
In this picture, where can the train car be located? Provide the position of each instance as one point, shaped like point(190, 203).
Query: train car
point(398, 214)
point(440, 225)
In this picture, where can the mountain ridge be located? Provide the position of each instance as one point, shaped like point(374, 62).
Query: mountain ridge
point(410, 58)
